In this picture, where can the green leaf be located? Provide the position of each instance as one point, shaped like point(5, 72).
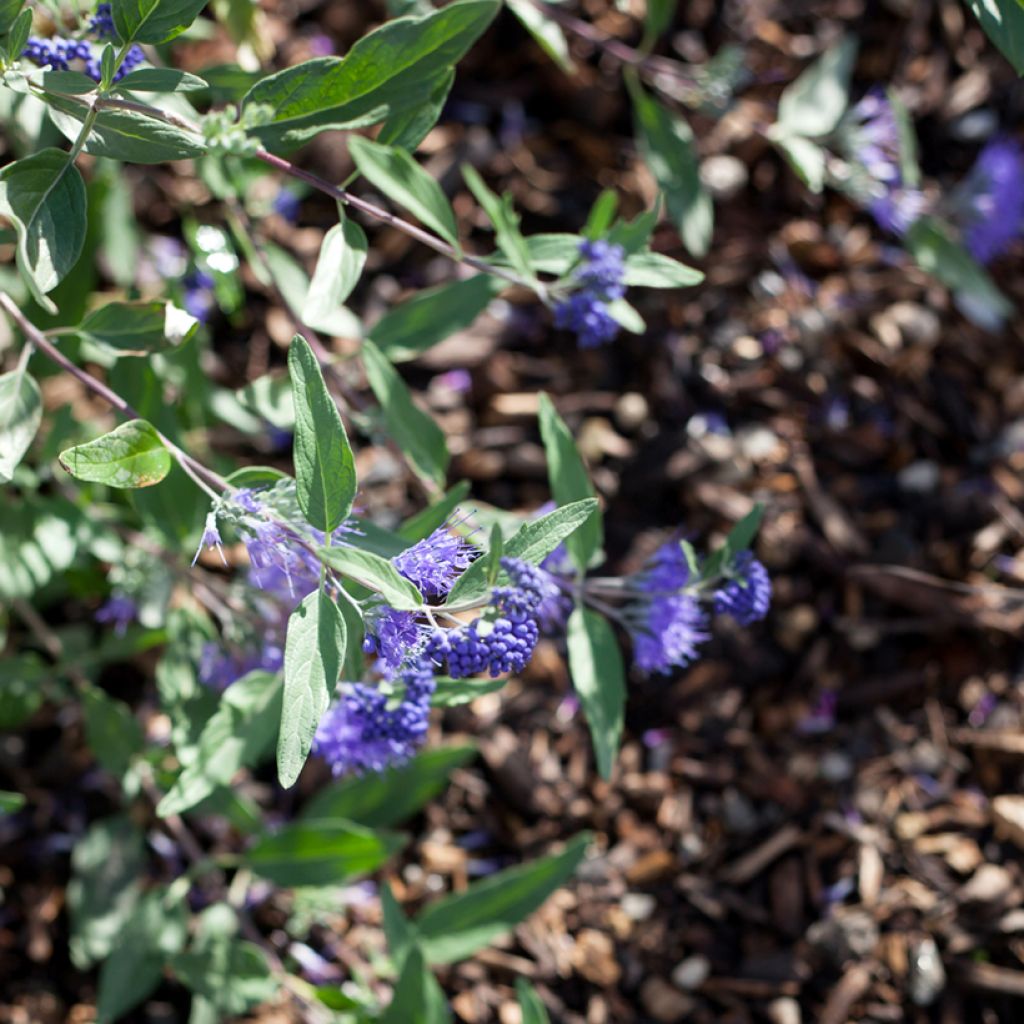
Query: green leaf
point(325, 471)
point(104, 888)
point(229, 975)
point(314, 650)
point(595, 664)
point(21, 412)
point(531, 1009)
point(654, 270)
point(385, 74)
point(21, 692)
point(532, 542)
point(73, 82)
point(159, 80)
point(569, 482)
point(601, 215)
point(385, 799)
point(39, 540)
point(501, 213)
point(19, 33)
point(1003, 22)
point(547, 33)
point(433, 315)
point(240, 732)
point(125, 134)
point(113, 732)
point(806, 158)
point(813, 104)
point(131, 455)
point(11, 802)
point(403, 181)
point(407, 128)
point(456, 926)
point(155, 932)
point(9, 10)
point(740, 537)
point(44, 198)
point(342, 255)
point(398, 930)
point(421, 440)
point(375, 572)
point(659, 17)
point(452, 693)
point(418, 998)
point(931, 245)
point(154, 21)
point(670, 152)
point(138, 328)
point(323, 851)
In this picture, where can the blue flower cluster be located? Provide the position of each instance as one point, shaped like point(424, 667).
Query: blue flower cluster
point(393, 636)
point(874, 144)
point(367, 731)
point(101, 24)
point(600, 279)
point(219, 667)
point(435, 563)
point(198, 298)
point(747, 595)
point(120, 610)
point(667, 624)
point(990, 204)
point(58, 53)
point(503, 639)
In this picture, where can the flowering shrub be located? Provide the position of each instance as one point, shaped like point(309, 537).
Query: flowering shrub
point(283, 620)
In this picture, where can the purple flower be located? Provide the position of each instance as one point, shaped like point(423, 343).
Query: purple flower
point(435, 563)
point(198, 298)
point(210, 538)
point(393, 636)
point(600, 279)
point(364, 731)
point(320, 45)
point(898, 208)
point(219, 668)
point(101, 24)
point(991, 200)
point(287, 204)
point(503, 639)
point(56, 52)
point(667, 625)
point(747, 596)
point(121, 610)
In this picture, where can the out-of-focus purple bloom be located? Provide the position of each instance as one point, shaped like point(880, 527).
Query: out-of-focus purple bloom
point(747, 596)
point(287, 205)
point(898, 208)
point(709, 422)
point(363, 733)
point(436, 562)
point(599, 280)
point(459, 381)
point(316, 969)
point(771, 341)
point(101, 24)
point(654, 738)
point(219, 668)
point(822, 717)
point(120, 610)
point(990, 204)
point(982, 710)
point(834, 894)
point(320, 45)
point(198, 297)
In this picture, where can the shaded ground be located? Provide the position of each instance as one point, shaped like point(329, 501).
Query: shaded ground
point(805, 825)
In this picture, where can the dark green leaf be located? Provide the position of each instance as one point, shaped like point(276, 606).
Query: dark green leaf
point(595, 664)
point(238, 734)
point(387, 73)
point(531, 1008)
point(138, 328)
point(739, 539)
point(21, 411)
point(418, 998)
point(376, 573)
point(104, 888)
point(321, 851)
point(532, 542)
point(314, 651)
point(154, 21)
point(1003, 22)
point(670, 152)
point(44, 197)
point(399, 931)
point(404, 182)
point(433, 315)
point(131, 455)
point(569, 482)
point(73, 82)
point(450, 693)
point(407, 128)
point(155, 932)
point(325, 472)
point(125, 134)
point(421, 440)
point(659, 17)
point(546, 32)
point(113, 732)
point(9, 10)
point(10, 802)
point(38, 540)
point(456, 926)
point(502, 215)
point(159, 80)
point(386, 799)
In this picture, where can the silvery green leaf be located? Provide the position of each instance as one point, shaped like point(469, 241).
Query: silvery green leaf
point(546, 32)
point(21, 411)
point(342, 256)
point(813, 104)
point(374, 572)
point(132, 455)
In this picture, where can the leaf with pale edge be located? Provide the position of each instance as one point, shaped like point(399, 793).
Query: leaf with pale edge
point(21, 411)
point(132, 455)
